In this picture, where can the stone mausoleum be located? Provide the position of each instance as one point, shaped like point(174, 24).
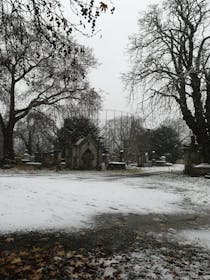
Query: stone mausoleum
point(84, 154)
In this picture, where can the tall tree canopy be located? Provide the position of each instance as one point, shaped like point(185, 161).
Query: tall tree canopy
point(35, 133)
point(49, 14)
point(171, 58)
point(126, 133)
point(165, 141)
point(75, 128)
point(39, 67)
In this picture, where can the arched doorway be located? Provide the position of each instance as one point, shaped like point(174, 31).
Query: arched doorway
point(87, 159)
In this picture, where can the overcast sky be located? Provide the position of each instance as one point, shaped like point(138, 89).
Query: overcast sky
point(110, 50)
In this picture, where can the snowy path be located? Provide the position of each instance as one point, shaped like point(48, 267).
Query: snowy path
point(69, 201)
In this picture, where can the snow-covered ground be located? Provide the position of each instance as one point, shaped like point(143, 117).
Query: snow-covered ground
point(194, 191)
point(199, 237)
point(71, 200)
point(172, 168)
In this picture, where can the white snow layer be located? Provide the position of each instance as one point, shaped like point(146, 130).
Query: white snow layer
point(69, 201)
point(200, 237)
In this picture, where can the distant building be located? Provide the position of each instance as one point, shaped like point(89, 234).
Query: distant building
point(84, 154)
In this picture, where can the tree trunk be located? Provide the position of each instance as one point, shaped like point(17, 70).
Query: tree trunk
point(8, 147)
point(205, 146)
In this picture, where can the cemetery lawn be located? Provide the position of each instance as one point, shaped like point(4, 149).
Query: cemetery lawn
point(97, 225)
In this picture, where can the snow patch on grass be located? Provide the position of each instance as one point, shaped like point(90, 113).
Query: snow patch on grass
point(199, 237)
point(67, 202)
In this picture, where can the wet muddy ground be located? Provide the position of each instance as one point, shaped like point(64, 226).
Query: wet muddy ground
point(118, 247)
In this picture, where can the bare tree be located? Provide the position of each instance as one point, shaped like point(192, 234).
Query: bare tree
point(128, 134)
point(48, 15)
point(87, 107)
point(171, 58)
point(36, 132)
point(166, 141)
point(181, 129)
point(36, 73)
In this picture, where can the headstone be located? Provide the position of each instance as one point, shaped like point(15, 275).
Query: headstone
point(163, 159)
point(26, 158)
point(146, 157)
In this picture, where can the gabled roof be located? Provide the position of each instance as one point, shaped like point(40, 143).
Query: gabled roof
point(80, 141)
point(84, 139)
